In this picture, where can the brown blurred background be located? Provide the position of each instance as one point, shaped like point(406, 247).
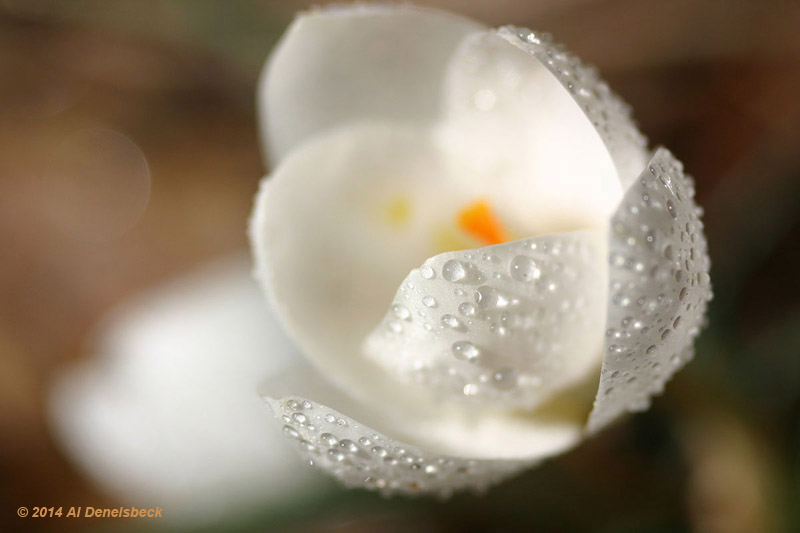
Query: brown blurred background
point(165, 90)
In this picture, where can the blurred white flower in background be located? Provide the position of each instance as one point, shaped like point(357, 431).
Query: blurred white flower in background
point(166, 413)
point(465, 234)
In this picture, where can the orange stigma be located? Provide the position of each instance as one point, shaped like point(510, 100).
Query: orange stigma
point(480, 223)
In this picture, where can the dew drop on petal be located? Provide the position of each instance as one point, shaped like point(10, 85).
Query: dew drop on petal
point(671, 209)
point(467, 309)
point(335, 455)
point(465, 351)
point(450, 321)
point(488, 298)
point(379, 451)
point(524, 268)
point(454, 271)
point(400, 311)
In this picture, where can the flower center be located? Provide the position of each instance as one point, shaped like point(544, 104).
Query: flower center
point(479, 222)
point(475, 225)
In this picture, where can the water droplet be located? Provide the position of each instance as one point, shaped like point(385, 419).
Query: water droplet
point(400, 311)
point(380, 452)
point(335, 455)
point(395, 326)
point(348, 446)
point(328, 439)
point(450, 321)
point(488, 298)
point(671, 209)
point(427, 272)
point(650, 349)
point(467, 309)
point(330, 419)
point(454, 271)
point(429, 301)
point(431, 470)
point(523, 268)
point(300, 418)
point(290, 432)
point(465, 351)
point(308, 447)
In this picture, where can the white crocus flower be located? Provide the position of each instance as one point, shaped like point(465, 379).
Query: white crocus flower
point(465, 232)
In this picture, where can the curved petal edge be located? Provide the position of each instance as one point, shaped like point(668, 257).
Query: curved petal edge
point(609, 114)
point(358, 456)
point(659, 288)
point(345, 63)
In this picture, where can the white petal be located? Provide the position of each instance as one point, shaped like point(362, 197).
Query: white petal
point(517, 127)
point(332, 271)
point(507, 325)
point(168, 413)
point(361, 457)
point(609, 114)
point(324, 247)
point(659, 288)
point(353, 63)
point(542, 127)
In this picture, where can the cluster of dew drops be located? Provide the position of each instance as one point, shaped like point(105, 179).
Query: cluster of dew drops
point(361, 457)
point(522, 268)
point(659, 284)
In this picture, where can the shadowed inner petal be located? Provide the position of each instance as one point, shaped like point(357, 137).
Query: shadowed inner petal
point(367, 204)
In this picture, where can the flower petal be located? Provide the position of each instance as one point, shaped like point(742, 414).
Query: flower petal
point(531, 115)
point(327, 248)
point(361, 457)
point(515, 126)
point(659, 288)
point(609, 114)
point(168, 413)
point(508, 325)
point(333, 270)
point(353, 63)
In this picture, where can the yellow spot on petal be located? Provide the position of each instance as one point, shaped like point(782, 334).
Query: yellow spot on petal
point(397, 211)
point(479, 222)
